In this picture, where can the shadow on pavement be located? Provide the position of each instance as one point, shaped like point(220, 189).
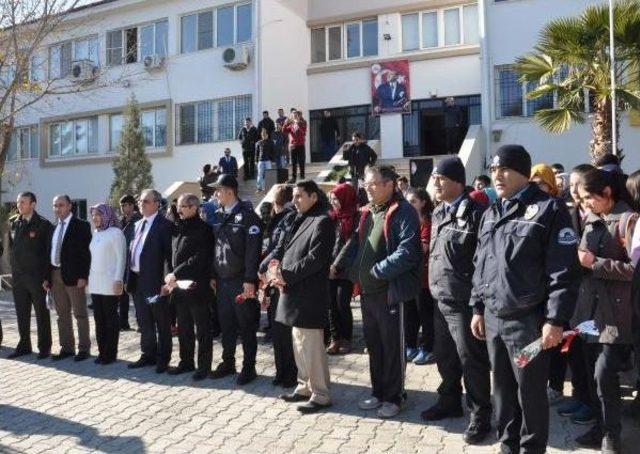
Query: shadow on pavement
point(21, 422)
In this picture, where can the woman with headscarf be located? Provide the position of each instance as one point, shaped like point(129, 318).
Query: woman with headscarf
point(344, 203)
point(543, 176)
point(108, 258)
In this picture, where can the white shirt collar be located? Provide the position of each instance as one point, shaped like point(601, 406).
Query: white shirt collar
point(67, 219)
point(230, 209)
point(150, 219)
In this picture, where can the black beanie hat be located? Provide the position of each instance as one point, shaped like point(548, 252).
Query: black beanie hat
point(451, 168)
point(514, 157)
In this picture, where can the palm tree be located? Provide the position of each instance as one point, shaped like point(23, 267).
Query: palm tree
point(572, 61)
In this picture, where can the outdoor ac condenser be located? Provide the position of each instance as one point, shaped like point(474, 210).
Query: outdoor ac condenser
point(237, 58)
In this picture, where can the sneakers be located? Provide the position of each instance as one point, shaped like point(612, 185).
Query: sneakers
point(583, 417)
point(370, 404)
point(388, 410)
point(424, 357)
point(411, 353)
point(554, 396)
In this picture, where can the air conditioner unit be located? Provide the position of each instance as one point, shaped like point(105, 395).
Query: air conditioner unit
point(154, 61)
point(237, 58)
point(83, 70)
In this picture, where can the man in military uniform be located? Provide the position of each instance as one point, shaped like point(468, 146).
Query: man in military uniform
point(30, 238)
point(458, 354)
point(238, 246)
point(524, 287)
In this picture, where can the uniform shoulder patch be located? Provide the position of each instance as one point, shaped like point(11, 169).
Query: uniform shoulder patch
point(567, 237)
point(254, 230)
point(531, 211)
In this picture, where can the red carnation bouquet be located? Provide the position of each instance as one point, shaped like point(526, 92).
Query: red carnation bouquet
point(528, 353)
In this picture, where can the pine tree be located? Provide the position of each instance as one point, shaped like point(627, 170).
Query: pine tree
point(131, 167)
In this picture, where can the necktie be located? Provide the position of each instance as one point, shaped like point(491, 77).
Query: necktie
point(58, 249)
point(136, 243)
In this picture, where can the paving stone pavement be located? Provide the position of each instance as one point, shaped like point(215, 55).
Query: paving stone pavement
point(68, 407)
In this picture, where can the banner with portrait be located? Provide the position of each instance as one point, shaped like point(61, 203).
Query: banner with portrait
point(390, 87)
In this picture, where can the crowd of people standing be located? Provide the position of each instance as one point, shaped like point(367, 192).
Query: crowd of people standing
point(463, 277)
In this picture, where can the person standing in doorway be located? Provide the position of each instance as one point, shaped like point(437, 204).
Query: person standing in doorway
point(329, 134)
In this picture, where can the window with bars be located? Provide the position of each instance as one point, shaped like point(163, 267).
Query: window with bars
point(211, 120)
point(25, 144)
point(511, 94)
point(224, 26)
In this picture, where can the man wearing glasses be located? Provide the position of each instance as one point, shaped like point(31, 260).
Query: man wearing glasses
point(149, 263)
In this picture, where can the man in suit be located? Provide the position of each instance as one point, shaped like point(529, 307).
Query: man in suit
point(238, 247)
point(192, 255)
point(70, 261)
point(149, 263)
point(29, 244)
point(300, 268)
point(130, 216)
point(248, 136)
point(228, 164)
point(391, 94)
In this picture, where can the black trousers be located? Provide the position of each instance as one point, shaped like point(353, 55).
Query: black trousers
point(604, 362)
point(123, 310)
point(28, 292)
point(194, 322)
point(383, 328)
point(237, 319)
point(155, 327)
point(249, 157)
point(520, 395)
point(419, 313)
point(212, 301)
point(105, 314)
point(286, 370)
point(340, 315)
point(579, 374)
point(460, 356)
point(298, 156)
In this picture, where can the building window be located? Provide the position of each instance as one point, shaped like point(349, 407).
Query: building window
point(62, 56)
point(37, 69)
point(212, 120)
point(79, 208)
point(352, 40)
point(422, 30)
point(116, 122)
point(233, 25)
point(511, 95)
point(133, 44)
point(154, 127)
point(25, 144)
point(73, 137)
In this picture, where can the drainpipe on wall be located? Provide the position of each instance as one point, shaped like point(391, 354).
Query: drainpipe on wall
point(257, 61)
point(485, 79)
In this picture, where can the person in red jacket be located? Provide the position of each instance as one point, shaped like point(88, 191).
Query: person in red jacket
point(419, 313)
point(295, 128)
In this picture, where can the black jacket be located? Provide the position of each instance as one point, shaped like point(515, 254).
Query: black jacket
point(303, 252)
point(279, 223)
point(238, 243)
point(128, 227)
point(29, 243)
point(248, 138)
point(75, 257)
point(454, 234)
point(526, 259)
point(230, 167)
point(359, 157)
point(265, 151)
point(268, 124)
point(193, 252)
point(155, 259)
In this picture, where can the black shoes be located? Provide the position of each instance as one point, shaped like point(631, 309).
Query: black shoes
point(293, 397)
point(98, 360)
point(180, 369)
point(593, 439)
point(142, 362)
point(200, 375)
point(223, 370)
point(62, 355)
point(44, 354)
point(17, 353)
point(81, 356)
point(247, 375)
point(311, 407)
point(284, 383)
point(477, 431)
point(439, 412)
point(162, 368)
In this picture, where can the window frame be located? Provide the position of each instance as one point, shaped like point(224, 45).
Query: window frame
point(344, 47)
point(440, 13)
point(28, 130)
point(215, 119)
point(73, 43)
point(214, 29)
point(123, 36)
point(74, 145)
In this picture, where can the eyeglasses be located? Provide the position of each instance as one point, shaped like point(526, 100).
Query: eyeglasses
point(145, 201)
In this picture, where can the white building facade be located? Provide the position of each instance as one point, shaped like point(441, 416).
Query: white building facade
point(314, 55)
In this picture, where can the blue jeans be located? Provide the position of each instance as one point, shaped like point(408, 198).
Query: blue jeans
point(262, 167)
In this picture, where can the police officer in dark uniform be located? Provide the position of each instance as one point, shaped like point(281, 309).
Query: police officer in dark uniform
point(524, 288)
point(238, 246)
point(30, 238)
point(454, 235)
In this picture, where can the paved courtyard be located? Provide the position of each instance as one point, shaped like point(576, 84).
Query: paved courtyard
point(68, 407)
